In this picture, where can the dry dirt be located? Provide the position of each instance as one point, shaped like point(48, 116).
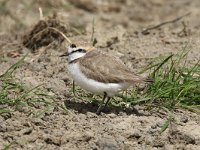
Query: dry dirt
point(118, 27)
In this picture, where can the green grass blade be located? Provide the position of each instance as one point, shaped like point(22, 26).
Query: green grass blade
point(13, 67)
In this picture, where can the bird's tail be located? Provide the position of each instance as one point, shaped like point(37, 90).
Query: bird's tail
point(148, 80)
point(140, 79)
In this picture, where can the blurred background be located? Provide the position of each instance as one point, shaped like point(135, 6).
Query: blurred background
point(117, 24)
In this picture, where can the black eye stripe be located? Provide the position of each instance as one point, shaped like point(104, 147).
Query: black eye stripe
point(78, 50)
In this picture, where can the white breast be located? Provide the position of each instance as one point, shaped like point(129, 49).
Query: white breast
point(94, 86)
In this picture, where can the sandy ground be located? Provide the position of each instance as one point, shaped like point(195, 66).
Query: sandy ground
point(118, 29)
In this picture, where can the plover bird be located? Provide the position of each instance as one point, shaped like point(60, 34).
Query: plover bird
point(100, 73)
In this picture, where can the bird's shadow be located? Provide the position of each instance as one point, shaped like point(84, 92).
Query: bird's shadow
point(84, 107)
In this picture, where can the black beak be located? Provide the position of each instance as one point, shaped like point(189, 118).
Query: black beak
point(65, 54)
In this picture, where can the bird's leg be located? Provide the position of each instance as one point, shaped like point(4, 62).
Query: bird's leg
point(108, 99)
point(101, 105)
point(73, 87)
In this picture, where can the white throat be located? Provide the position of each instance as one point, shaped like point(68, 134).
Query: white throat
point(75, 56)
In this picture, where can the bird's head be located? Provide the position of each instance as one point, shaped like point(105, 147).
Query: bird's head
point(74, 52)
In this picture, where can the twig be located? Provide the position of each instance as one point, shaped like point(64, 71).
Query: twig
point(42, 18)
point(93, 39)
point(66, 38)
point(146, 31)
point(92, 36)
point(185, 31)
point(41, 14)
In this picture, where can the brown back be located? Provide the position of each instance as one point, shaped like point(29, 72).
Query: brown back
point(104, 68)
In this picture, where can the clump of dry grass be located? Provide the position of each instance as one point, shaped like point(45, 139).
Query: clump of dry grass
point(43, 34)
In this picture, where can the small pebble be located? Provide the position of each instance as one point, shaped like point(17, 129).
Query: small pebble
point(184, 119)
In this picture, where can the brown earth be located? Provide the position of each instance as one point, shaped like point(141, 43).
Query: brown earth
point(118, 30)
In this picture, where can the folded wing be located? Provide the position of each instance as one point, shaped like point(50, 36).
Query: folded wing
point(104, 68)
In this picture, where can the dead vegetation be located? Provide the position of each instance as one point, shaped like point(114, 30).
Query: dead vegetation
point(44, 33)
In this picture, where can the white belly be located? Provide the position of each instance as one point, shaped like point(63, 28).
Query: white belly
point(94, 86)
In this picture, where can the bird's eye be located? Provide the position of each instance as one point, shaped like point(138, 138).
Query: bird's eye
point(73, 46)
